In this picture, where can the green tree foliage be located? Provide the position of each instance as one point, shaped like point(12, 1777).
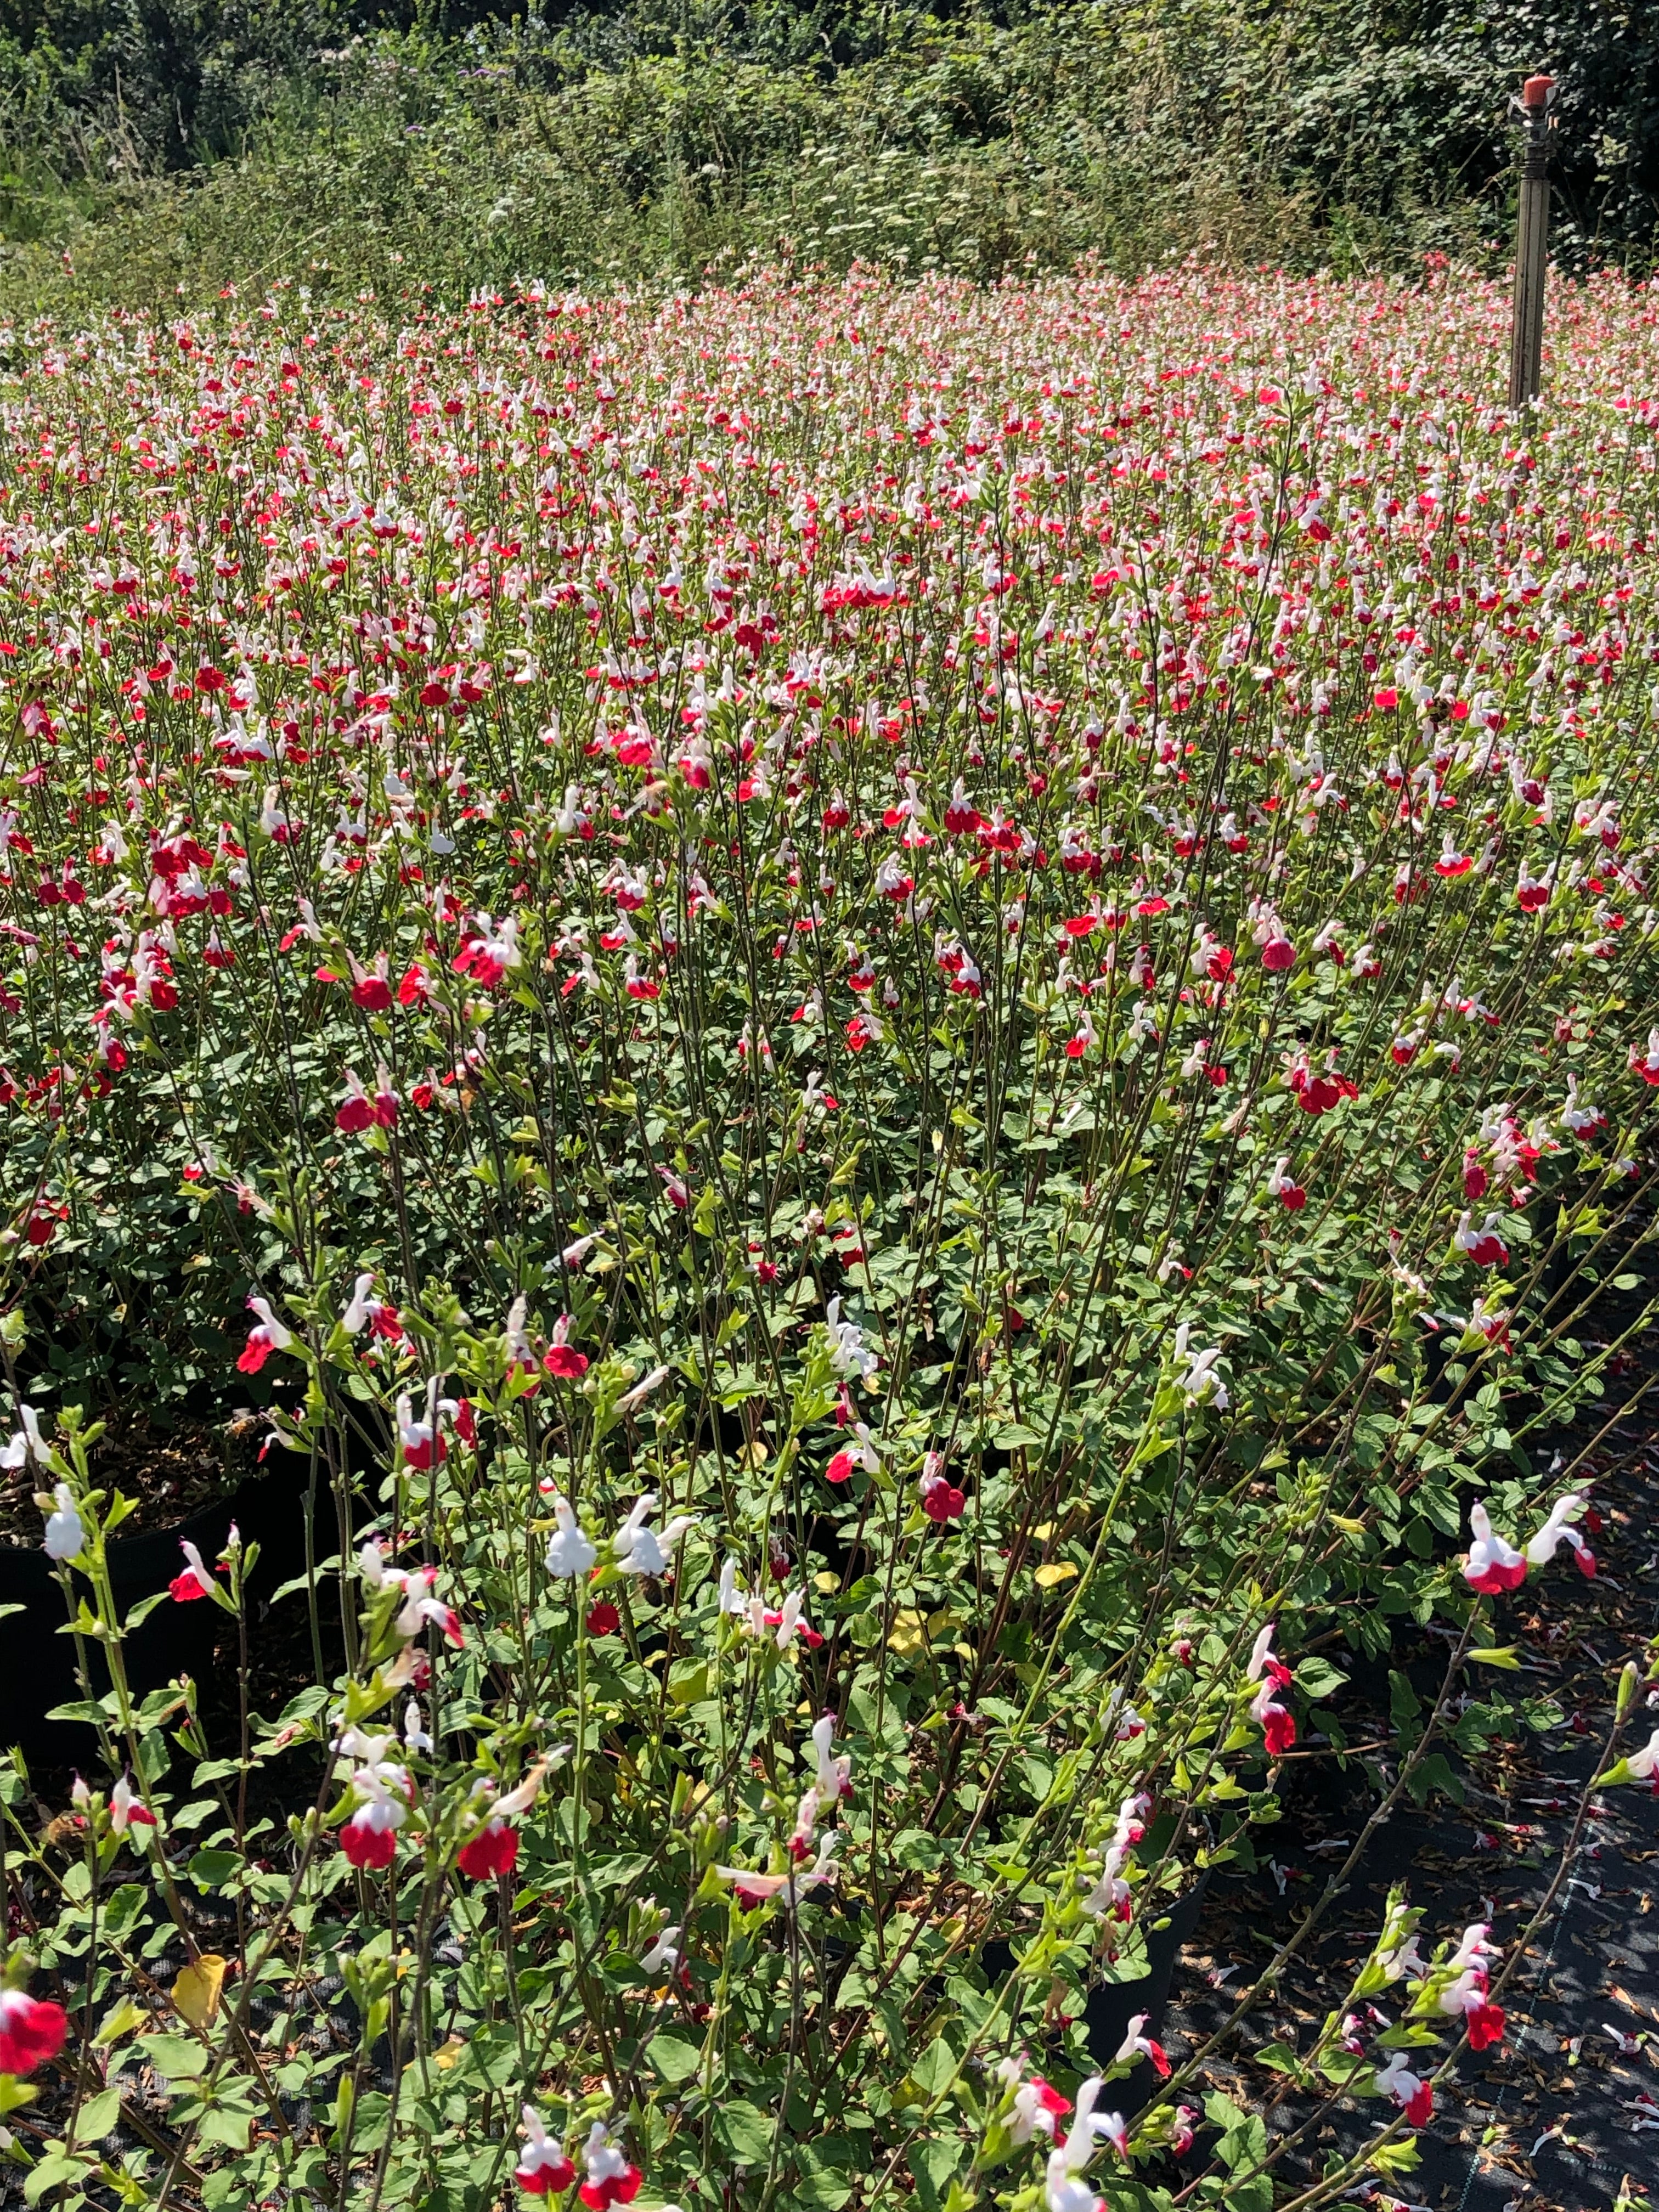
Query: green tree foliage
point(204, 141)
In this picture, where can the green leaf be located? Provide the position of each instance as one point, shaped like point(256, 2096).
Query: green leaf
point(175, 2056)
point(687, 1681)
point(674, 2058)
point(55, 2171)
point(79, 1709)
point(123, 1906)
point(933, 2162)
point(1497, 1654)
point(746, 2134)
point(935, 2067)
point(1319, 1679)
point(210, 1870)
point(226, 2124)
point(1280, 2058)
point(98, 2116)
point(824, 2188)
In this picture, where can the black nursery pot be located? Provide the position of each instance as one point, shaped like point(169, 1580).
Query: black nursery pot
point(37, 1663)
point(1111, 2006)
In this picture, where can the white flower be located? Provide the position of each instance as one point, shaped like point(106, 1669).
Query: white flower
point(663, 1954)
point(568, 1552)
point(1063, 2192)
point(832, 1773)
point(631, 1399)
point(1200, 1381)
point(66, 1539)
point(848, 1355)
point(637, 1548)
point(732, 1599)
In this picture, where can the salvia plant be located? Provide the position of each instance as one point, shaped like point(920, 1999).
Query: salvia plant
point(900, 1035)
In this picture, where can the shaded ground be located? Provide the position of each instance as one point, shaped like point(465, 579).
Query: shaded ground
point(1566, 2115)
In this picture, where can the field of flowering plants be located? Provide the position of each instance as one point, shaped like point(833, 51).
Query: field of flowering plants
point(901, 1034)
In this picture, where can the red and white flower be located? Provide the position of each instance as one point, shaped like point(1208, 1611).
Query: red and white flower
point(543, 2169)
point(1484, 1246)
point(611, 2179)
point(127, 1810)
point(562, 1358)
point(1137, 2046)
point(370, 1838)
point(1283, 1186)
point(1037, 2106)
point(196, 1580)
point(1558, 1530)
point(1276, 1721)
point(861, 1453)
point(754, 1888)
point(1414, 2096)
point(268, 1335)
point(33, 2031)
point(941, 1500)
point(1493, 1564)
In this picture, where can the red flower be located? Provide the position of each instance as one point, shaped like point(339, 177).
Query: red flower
point(1491, 1581)
point(1485, 2025)
point(551, 2178)
point(493, 1850)
point(32, 2030)
point(564, 1359)
point(602, 1619)
point(616, 2189)
point(1278, 1730)
point(366, 1846)
point(1279, 954)
point(942, 1501)
point(1419, 2110)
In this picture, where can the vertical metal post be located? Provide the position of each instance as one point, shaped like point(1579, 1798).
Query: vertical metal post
point(1535, 110)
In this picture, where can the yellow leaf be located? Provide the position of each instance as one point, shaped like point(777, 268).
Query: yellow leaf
point(196, 1992)
point(829, 1584)
point(1497, 1654)
point(452, 2051)
point(1044, 1530)
point(908, 1632)
point(1057, 1570)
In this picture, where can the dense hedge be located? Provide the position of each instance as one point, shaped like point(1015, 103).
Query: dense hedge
point(211, 141)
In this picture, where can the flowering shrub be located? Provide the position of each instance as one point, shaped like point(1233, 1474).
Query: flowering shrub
point(903, 1028)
